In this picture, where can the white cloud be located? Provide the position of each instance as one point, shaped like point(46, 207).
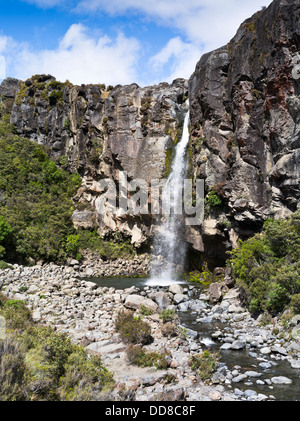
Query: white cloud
point(80, 57)
point(203, 25)
point(179, 58)
point(211, 22)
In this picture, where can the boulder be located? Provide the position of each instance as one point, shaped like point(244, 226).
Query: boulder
point(162, 300)
point(135, 302)
point(179, 298)
point(176, 289)
point(281, 380)
point(215, 292)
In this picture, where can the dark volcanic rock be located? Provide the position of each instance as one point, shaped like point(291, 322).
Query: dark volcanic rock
point(244, 100)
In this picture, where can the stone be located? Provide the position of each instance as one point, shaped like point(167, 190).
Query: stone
point(265, 365)
point(252, 374)
point(162, 300)
point(184, 306)
point(215, 292)
point(90, 285)
point(237, 345)
point(295, 320)
point(226, 346)
point(262, 397)
point(295, 363)
point(33, 289)
point(250, 393)
point(73, 262)
point(179, 298)
point(239, 378)
point(215, 396)
point(89, 272)
point(36, 315)
point(278, 350)
point(176, 289)
point(136, 302)
point(265, 350)
point(190, 333)
point(238, 392)
point(197, 305)
point(296, 333)
point(281, 380)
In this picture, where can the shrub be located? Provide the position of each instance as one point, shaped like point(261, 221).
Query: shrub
point(108, 249)
point(12, 371)
point(38, 363)
point(137, 356)
point(168, 315)
point(84, 377)
point(203, 278)
point(213, 199)
point(267, 265)
point(132, 329)
point(204, 364)
point(4, 265)
point(169, 329)
point(295, 303)
point(16, 314)
point(5, 235)
point(145, 311)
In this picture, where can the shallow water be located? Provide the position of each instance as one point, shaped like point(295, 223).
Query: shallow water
point(231, 358)
point(242, 358)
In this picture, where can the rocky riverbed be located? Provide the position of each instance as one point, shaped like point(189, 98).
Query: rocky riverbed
point(59, 296)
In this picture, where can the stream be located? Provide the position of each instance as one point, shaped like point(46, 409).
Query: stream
point(228, 358)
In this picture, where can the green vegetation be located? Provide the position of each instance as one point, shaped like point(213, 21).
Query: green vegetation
point(168, 315)
point(36, 207)
point(35, 201)
point(170, 153)
point(112, 249)
point(15, 312)
point(268, 266)
point(40, 364)
point(145, 311)
point(67, 124)
point(132, 329)
point(204, 278)
point(137, 356)
point(204, 364)
point(4, 265)
point(95, 150)
point(213, 199)
point(5, 235)
point(52, 92)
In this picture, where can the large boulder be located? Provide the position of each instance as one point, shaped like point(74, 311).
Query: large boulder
point(136, 302)
point(162, 300)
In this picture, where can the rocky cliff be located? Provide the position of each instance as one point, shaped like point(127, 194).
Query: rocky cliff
point(245, 114)
point(98, 132)
point(245, 133)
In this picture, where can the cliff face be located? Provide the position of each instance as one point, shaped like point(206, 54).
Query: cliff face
point(245, 133)
point(99, 131)
point(245, 114)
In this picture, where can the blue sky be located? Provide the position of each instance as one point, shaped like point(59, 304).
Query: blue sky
point(115, 41)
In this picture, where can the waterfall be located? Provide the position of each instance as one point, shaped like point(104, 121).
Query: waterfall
point(168, 245)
